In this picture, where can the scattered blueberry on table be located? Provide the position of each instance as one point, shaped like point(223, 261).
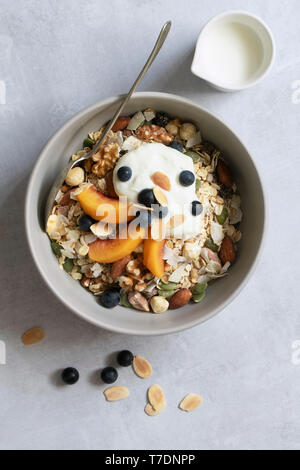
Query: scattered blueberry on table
point(70, 376)
point(109, 375)
point(125, 358)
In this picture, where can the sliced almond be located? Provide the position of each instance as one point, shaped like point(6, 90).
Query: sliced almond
point(161, 180)
point(176, 221)
point(150, 411)
point(160, 196)
point(33, 336)
point(156, 398)
point(116, 393)
point(101, 230)
point(142, 367)
point(191, 402)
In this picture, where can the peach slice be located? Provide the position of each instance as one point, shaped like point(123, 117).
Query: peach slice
point(110, 251)
point(153, 256)
point(98, 206)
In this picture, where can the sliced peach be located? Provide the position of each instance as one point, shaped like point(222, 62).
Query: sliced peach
point(153, 256)
point(98, 206)
point(110, 251)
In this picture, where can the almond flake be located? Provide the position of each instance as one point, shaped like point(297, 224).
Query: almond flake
point(160, 196)
point(33, 336)
point(162, 180)
point(191, 402)
point(142, 367)
point(156, 398)
point(176, 221)
point(150, 411)
point(116, 393)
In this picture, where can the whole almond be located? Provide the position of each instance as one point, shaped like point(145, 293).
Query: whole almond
point(118, 267)
point(224, 174)
point(142, 367)
point(227, 251)
point(33, 336)
point(121, 123)
point(191, 402)
point(116, 393)
point(180, 299)
point(110, 189)
point(161, 180)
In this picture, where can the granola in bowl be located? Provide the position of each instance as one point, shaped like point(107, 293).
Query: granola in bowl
point(174, 223)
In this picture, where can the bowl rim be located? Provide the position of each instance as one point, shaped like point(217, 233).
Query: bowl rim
point(250, 84)
point(131, 331)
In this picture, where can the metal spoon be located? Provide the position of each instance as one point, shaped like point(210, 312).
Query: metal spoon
point(62, 176)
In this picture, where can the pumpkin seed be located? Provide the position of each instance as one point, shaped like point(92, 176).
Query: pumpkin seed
point(223, 216)
point(88, 143)
point(124, 300)
point(198, 184)
point(211, 245)
point(56, 248)
point(169, 286)
point(193, 155)
point(68, 265)
point(198, 289)
point(166, 293)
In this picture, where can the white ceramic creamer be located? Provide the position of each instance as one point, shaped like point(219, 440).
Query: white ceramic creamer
point(234, 51)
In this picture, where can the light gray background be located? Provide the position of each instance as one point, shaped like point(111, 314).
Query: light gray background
point(56, 57)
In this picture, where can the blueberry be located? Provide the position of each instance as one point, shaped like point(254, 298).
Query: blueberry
point(160, 212)
point(85, 223)
point(143, 218)
point(176, 145)
point(146, 197)
point(70, 376)
point(124, 173)
point(110, 298)
point(161, 120)
point(109, 375)
point(186, 178)
point(197, 208)
point(125, 358)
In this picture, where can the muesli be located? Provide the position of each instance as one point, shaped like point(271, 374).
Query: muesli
point(151, 219)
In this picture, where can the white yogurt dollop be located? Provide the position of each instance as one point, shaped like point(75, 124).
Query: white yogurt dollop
point(144, 162)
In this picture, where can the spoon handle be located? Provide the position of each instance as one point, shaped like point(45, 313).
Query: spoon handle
point(61, 177)
point(159, 43)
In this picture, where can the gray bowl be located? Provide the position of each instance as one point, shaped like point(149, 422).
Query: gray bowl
point(55, 156)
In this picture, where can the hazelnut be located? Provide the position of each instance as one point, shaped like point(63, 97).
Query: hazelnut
point(159, 304)
point(172, 128)
point(75, 177)
point(187, 131)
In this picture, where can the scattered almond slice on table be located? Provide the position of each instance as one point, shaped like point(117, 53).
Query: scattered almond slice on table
point(150, 411)
point(156, 398)
point(33, 336)
point(142, 367)
point(191, 402)
point(116, 393)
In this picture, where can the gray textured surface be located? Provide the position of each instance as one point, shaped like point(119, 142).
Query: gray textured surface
point(57, 57)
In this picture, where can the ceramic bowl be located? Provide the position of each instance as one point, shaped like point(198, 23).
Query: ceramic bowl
point(55, 156)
